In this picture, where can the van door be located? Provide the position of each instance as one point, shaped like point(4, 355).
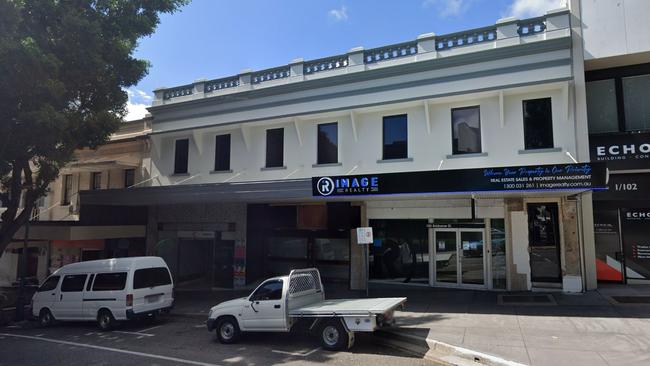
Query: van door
point(152, 289)
point(47, 295)
point(70, 304)
point(266, 308)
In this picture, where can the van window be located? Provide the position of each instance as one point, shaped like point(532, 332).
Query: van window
point(110, 281)
point(90, 282)
point(73, 283)
point(49, 284)
point(151, 277)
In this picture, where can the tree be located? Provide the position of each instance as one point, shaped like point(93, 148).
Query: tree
point(64, 66)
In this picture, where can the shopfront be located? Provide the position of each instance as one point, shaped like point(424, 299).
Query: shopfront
point(492, 228)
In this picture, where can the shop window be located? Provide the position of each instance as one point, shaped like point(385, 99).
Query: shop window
point(287, 248)
point(466, 130)
point(222, 153)
point(73, 283)
point(96, 180)
point(636, 93)
point(181, 154)
point(67, 190)
point(328, 143)
point(275, 148)
point(327, 249)
point(538, 124)
point(395, 131)
point(498, 242)
point(601, 106)
point(129, 178)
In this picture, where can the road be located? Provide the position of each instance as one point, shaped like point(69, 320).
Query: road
point(177, 341)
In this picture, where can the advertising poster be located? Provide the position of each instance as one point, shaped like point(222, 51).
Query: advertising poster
point(635, 224)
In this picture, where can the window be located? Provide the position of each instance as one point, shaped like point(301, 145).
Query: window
point(636, 93)
point(601, 106)
point(96, 180)
point(151, 277)
point(73, 283)
point(328, 149)
point(466, 130)
point(129, 177)
point(49, 284)
point(67, 189)
point(110, 281)
point(181, 155)
point(222, 153)
point(538, 124)
point(275, 148)
point(395, 132)
point(90, 282)
point(270, 290)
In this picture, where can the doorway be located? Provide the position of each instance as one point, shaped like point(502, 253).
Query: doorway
point(544, 242)
point(459, 258)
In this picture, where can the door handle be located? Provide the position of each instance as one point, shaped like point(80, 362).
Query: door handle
point(276, 306)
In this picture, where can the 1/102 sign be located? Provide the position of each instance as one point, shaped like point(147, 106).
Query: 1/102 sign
point(625, 187)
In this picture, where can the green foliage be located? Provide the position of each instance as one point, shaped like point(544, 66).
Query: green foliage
point(63, 69)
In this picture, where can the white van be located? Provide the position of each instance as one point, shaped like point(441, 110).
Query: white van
point(107, 290)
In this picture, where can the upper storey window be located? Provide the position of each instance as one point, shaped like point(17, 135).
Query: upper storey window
point(328, 143)
point(466, 130)
point(538, 124)
point(222, 153)
point(395, 132)
point(275, 148)
point(181, 154)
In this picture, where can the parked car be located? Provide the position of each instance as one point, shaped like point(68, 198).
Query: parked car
point(279, 303)
point(108, 291)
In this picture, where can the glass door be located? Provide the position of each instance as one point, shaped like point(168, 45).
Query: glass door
point(472, 257)
point(459, 257)
point(544, 242)
point(446, 254)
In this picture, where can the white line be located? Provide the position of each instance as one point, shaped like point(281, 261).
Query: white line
point(296, 353)
point(142, 354)
point(133, 333)
point(148, 329)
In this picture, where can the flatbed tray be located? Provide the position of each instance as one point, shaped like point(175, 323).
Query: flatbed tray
point(349, 307)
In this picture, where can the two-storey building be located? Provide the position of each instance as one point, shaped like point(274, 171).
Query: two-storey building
point(463, 152)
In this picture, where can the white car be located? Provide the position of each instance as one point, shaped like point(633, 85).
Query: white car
point(279, 303)
point(107, 291)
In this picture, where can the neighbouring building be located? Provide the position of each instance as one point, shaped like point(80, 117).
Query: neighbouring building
point(467, 153)
point(617, 64)
point(57, 235)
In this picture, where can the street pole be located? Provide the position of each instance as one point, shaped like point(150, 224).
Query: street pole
point(20, 300)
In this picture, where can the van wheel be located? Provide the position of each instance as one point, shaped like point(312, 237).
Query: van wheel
point(334, 336)
point(45, 318)
point(228, 330)
point(105, 320)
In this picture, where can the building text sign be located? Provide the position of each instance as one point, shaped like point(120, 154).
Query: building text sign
point(583, 176)
point(621, 151)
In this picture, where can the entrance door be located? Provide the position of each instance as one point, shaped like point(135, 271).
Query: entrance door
point(544, 242)
point(459, 257)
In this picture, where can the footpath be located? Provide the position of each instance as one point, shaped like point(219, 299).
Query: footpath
point(610, 326)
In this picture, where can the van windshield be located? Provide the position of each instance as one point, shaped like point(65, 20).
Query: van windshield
point(151, 277)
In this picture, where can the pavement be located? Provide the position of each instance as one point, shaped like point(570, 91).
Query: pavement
point(588, 329)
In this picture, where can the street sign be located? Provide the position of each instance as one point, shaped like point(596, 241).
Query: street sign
point(364, 235)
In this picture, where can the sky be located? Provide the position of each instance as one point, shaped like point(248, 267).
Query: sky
point(209, 39)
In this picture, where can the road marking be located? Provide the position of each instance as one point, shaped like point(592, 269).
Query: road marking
point(141, 354)
point(200, 326)
point(303, 354)
point(39, 335)
point(148, 329)
point(133, 333)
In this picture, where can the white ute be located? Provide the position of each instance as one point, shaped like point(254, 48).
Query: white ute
point(279, 303)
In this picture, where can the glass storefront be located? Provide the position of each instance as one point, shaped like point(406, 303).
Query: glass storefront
point(498, 241)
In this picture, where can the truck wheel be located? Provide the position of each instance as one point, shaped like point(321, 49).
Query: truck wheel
point(334, 336)
point(105, 320)
point(45, 318)
point(228, 330)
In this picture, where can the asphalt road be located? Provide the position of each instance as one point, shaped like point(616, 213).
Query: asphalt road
point(178, 341)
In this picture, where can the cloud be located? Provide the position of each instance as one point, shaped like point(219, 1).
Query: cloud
point(532, 8)
point(339, 15)
point(448, 8)
point(136, 106)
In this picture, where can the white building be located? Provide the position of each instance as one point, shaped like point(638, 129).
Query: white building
point(465, 152)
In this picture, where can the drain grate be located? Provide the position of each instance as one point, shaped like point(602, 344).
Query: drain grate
point(632, 299)
point(527, 300)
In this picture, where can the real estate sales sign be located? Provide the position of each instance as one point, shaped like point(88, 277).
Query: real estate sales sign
point(583, 176)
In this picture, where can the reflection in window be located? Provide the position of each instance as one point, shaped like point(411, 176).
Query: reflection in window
point(328, 143)
point(636, 94)
point(395, 137)
point(601, 106)
point(538, 124)
point(282, 247)
point(466, 130)
point(498, 241)
point(332, 249)
point(400, 251)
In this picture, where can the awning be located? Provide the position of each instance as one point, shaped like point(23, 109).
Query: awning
point(71, 230)
point(103, 163)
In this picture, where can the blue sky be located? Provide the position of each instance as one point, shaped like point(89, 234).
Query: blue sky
point(216, 38)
